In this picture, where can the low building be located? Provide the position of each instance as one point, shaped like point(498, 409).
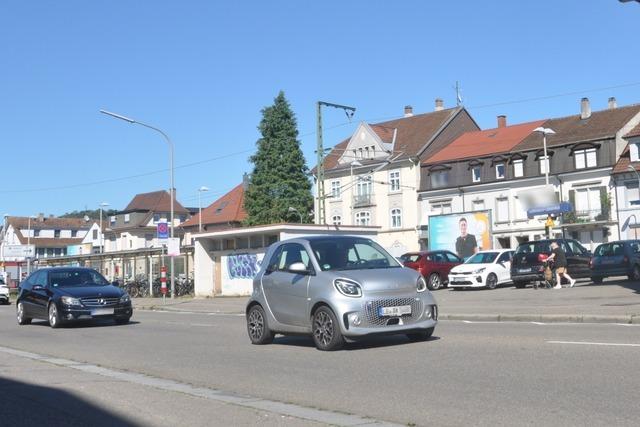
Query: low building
point(626, 175)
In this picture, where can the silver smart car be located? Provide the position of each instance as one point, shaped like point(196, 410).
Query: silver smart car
point(336, 288)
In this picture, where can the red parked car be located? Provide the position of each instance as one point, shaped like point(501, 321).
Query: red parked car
point(433, 265)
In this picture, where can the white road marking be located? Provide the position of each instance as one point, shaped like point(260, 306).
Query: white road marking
point(538, 323)
point(612, 344)
point(253, 402)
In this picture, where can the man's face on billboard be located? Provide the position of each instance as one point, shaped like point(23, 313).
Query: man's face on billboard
point(463, 228)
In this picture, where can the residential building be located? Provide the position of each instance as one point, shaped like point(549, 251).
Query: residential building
point(626, 175)
point(487, 170)
point(371, 178)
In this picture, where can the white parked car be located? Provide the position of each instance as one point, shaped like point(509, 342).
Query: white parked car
point(484, 269)
point(4, 293)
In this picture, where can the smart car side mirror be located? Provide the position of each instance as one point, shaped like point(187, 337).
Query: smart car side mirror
point(298, 267)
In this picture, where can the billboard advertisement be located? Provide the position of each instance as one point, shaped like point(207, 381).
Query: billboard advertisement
point(463, 234)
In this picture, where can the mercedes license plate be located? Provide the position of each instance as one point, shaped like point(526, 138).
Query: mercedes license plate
point(102, 311)
point(524, 270)
point(394, 311)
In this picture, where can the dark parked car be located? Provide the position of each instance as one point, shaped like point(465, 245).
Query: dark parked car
point(621, 258)
point(65, 294)
point(527, 267)
point(433, 265)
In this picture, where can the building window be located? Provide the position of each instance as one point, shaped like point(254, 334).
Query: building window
point(439, 179)
point(335, 189)
point(502, 210)
point(631, 193)
point(396, 218)
point(520, 211)
point(475, 173)
point(112, 220)
point(634, 152)
point(478, 205)
point(500, 171)
point(588, 201)
point(394, 181)
point(56, 234)
point(363, 187)
point(36, 233)
point(156, 218)
point(544, 164)
point(439, 208)
point(126, 218)
point(336, 220)
point(95, 234)
point(363, 218)
point(518, 168)
point(74, 233)
point(585, 158)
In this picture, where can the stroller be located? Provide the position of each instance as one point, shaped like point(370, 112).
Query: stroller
point(548, 277)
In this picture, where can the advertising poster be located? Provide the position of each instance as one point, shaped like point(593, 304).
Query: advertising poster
point(463, 233)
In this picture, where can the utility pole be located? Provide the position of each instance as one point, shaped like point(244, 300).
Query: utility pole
point(349, 111)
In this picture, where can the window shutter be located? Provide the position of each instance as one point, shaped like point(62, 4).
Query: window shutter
point(572, 198)
point(603, 207)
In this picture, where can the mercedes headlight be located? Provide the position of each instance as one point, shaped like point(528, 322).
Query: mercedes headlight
point(348, 288)
point(422, 284)
point(125, 298)
point(70, 301)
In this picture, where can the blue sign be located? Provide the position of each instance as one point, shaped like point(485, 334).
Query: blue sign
point(163, 230)
point(557, 209)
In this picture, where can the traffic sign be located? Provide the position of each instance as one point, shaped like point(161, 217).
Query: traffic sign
point(162, 230)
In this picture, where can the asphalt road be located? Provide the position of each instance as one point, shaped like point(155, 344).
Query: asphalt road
point(467, 374)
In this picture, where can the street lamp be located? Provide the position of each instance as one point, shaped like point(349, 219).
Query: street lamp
point(171, 189)
point(200, 190)
point(292, 209)
point(102, 206)
point(545, 132)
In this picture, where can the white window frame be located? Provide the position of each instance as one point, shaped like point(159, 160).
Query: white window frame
point(440, 207)
point(396, 218)
point(518, 168)
point(363, 218)
point(335, 189)
point(473, 174)
point(127, 218)
point(504, 170)
point(634, 151)
point(364, 186)
point(585, 158)
point(478, 205)
point(504, 200)
point(336, 220)
point(394, 181)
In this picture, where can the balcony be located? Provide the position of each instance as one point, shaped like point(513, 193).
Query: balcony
point(363, 200)
point(585, 216)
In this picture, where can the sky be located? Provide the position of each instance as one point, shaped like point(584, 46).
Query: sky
point(201, 71)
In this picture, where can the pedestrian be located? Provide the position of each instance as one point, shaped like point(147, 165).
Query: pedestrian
point(560, 260)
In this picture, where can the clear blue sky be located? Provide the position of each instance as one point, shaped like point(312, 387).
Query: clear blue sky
point(203, 70)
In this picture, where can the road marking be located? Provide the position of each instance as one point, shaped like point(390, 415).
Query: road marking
point(612, 344)
point(538, 323)
point(289, 409)
point(191, 312)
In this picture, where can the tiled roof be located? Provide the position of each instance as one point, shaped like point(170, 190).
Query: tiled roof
point(49, 223)
point(157, 201)
point(602, 124)
point(411, 136)
point(484, 142)
point(634, 132)
point(226, 209)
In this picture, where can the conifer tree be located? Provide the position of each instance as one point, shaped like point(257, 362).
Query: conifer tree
point(279, 179)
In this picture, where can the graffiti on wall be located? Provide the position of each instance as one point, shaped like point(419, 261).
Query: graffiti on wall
point(243, 266)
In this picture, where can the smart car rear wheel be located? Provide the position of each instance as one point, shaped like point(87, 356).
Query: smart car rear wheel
point(434, 281)
point(257, 327)
point(326, 331)
point(492, 281)
point(54, 317)
point(22, 319)
point(422, 335)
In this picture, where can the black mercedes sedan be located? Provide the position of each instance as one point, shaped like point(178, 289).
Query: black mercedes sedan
point(66, 294)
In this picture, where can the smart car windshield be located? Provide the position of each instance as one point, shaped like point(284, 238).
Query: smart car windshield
point(482, 258)
point(76, 278)
point(351, 254)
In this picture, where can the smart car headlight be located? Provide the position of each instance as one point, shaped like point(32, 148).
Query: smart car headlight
point(70, 301)
point(348, 288)
point(422, 284)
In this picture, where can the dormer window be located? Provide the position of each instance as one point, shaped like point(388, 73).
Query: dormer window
point(585, 158)
point(518, 168)
point(476, 172)
point(634, 152)
point(500, 171)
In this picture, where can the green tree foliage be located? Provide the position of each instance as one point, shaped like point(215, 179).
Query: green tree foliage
point(280, 175)
point(92, 214)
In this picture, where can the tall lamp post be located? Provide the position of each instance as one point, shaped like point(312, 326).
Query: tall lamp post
point(102, 206)
point(545, 131)
point(200, 190)
point(292, 209)
point(171, 189)
point(29, 246)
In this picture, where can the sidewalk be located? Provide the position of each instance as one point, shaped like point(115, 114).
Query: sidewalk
point(613, 301)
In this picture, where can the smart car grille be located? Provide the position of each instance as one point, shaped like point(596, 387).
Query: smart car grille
point(373, 319)
point(98, 302)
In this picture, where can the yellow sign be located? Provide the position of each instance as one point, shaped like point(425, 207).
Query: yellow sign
point(549, 222)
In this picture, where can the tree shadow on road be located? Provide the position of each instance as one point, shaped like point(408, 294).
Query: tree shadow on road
point(31, 405)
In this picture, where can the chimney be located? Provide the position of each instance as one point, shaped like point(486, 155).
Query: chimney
point(502, 121)
point(585, 109)
point(439, 104)
point(408, 111)
point(245, 180)
point(41, 217)
point(612, 103)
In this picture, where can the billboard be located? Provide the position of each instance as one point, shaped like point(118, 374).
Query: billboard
point(461, 233)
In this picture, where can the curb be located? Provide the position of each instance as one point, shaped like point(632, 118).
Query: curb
point(544, 318)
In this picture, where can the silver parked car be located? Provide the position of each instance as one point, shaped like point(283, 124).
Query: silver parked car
point(335, 288)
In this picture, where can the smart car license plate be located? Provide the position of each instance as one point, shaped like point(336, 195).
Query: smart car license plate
point(394, 311)
point(102, 311)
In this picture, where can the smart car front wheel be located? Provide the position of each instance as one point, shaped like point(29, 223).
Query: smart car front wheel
point(326, 331)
